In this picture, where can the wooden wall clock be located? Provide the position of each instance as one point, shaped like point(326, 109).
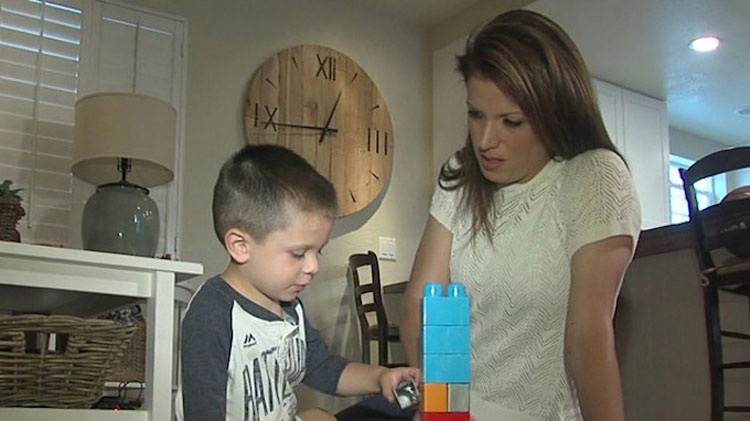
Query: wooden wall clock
point(321, 104)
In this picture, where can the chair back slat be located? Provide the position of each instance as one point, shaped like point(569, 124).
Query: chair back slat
point(363, 289)
point(719, 162)
point(366, 308)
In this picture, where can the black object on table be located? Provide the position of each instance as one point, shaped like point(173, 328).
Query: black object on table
point(375, 408)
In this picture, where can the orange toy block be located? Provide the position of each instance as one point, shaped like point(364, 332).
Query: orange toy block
point(434, 397)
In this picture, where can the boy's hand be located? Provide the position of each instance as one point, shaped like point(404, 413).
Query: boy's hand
point(390, 378)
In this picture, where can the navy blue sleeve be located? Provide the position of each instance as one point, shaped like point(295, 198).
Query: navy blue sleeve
point(322, 368)
point(205, 348)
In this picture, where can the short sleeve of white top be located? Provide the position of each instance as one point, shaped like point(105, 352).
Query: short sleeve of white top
point(519, 283)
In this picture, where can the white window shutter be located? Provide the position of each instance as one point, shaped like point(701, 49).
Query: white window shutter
point(39, 57)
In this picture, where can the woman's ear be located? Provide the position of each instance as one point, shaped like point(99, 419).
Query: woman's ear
point(236, 243)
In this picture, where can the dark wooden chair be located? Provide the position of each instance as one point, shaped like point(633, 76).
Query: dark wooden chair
point(716, 229)
point(368, 300)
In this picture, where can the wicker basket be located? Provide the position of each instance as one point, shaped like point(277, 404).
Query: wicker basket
point(10, 213)
point(71, 378)
point(132, 365)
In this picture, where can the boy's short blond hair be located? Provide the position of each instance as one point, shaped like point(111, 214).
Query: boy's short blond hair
point(258, 185)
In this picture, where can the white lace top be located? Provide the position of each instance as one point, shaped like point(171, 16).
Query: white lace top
point(519, 284)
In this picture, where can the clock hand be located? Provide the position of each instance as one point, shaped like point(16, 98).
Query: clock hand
point(330, 117)
point(303, 126)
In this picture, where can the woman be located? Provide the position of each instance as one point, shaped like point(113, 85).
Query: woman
point(537, 215)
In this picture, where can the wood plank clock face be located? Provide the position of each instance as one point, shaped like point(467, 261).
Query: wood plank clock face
point(318, 102)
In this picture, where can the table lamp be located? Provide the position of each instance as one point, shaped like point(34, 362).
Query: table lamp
point(123, 143)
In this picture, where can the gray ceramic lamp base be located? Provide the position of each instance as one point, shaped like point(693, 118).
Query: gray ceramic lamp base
point(121, 218)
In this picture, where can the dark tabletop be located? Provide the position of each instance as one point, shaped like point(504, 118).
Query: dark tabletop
point(374, 408)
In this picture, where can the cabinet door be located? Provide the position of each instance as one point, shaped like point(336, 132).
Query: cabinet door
point(610, 106)
point(646, 147)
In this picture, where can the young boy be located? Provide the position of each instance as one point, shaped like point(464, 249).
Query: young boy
point(246, 341)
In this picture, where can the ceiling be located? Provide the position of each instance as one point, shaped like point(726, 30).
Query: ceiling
point(642, 45)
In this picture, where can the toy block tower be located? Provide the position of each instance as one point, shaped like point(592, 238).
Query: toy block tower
point(445, 353)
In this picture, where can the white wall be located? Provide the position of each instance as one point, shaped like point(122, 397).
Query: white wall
point(688, 145)
point(457, 27)
point(449, 129)
point(227, 41)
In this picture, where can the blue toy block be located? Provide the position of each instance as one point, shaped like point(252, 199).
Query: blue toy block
point(449, 309)
point(438, 339)
point(446, 368)
point(445, 334)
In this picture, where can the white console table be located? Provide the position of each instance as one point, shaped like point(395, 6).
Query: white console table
point(83, 283)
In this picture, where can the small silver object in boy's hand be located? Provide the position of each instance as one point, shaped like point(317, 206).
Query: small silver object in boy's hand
point(407, 394)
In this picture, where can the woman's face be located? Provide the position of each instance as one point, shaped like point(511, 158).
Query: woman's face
point(504, 143)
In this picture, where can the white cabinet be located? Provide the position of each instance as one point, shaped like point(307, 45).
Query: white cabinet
point(77, 282)
point(610, 105)
point(638, 126)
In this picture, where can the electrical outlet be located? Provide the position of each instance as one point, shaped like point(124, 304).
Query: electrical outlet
point(387, 248)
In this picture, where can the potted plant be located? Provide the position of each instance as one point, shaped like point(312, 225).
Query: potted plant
point(10, 212)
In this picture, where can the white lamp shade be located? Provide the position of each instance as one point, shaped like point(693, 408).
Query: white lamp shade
point(109, 126)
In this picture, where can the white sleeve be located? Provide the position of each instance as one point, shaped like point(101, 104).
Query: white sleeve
point(598, 200)
point(444, 206)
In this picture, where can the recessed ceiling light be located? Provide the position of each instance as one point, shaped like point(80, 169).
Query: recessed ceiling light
point(704, 44)
point(743, 111)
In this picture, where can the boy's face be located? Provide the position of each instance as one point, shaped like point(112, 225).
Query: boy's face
point(284, 263)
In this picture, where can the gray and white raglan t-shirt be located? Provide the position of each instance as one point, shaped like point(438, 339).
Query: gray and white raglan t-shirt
point(519, 282)
point(242, 362)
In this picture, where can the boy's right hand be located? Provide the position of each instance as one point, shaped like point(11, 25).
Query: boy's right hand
point(390, 378)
